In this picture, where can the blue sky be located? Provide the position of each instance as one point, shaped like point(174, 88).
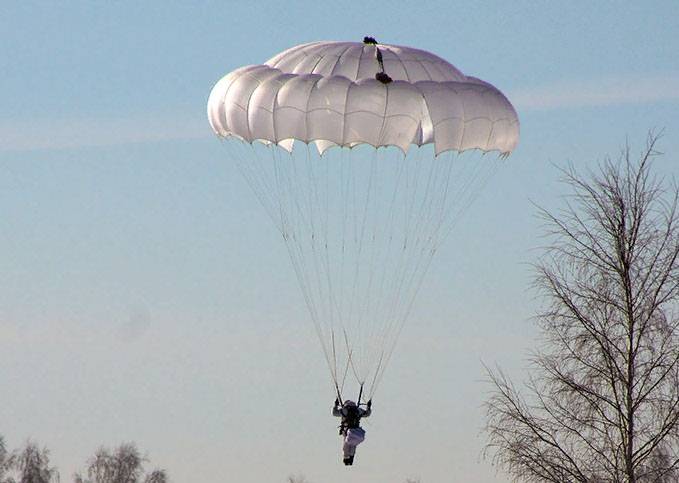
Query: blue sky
point(145, 296)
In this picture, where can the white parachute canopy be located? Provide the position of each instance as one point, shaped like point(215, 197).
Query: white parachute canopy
point(327, 92)
point(361, 224)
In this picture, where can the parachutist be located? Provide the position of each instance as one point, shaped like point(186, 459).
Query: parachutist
point(350, 427)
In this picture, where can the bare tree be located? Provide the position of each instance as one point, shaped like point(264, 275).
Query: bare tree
point(125, 464)
point(297, 479)
point(602, 400)
point(32, 465)
point(157, 476)
point(5, 462)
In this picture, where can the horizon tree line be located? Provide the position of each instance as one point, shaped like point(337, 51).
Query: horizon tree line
point(123, 464)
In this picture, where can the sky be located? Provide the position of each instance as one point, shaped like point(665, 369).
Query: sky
point(146, 297)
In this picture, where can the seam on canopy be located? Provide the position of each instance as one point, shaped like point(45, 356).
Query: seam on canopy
point(425, 69)
point(357, 111)
point(360, 60)
point(247, 109)
point(306, 110)
point(403, 65)
point(384, 116)
point(344, 115)
point(332, 71)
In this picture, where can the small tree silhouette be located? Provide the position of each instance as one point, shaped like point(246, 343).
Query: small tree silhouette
point(32, 465)
point(125, 464)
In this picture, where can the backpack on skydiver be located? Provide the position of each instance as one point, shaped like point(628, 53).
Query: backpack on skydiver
point(351, 418)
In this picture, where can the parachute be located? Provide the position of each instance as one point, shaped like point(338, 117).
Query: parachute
point(354, 151)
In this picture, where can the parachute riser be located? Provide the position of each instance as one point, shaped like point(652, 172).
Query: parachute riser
point(359, 401)
point(339, 394)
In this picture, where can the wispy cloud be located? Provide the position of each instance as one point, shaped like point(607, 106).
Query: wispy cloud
point(43, 133)
point(599, 92)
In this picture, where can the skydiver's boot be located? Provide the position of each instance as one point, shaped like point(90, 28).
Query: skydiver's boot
point(349, 460)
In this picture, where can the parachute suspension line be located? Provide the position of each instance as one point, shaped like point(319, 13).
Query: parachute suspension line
point(378, 259)
point(411, 244)
point(432, 214)
point(445, 223)
point(290, 204)
point(383, 340)
point(471, 190)
point(378, 256)
point(339, 394)
point(382, 309)
point(397, 288)
point(378, 372)
point(323, 238)
point(344, 192)
point(288, 216)
point(310, 208)
point(349, 239)
point(346, 366)
point(316, 236)
point(333, 369)
point(332, 301)
point(361, 294)
point(237, 152)
point(406, 313)
point(366, 263)
point(351, 324)
point(350, 358)
point(346, 370)
point(361, 227)
point(362, 297)
point(348, 193)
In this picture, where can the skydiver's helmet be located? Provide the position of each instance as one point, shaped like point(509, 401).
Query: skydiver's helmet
point(349, 404)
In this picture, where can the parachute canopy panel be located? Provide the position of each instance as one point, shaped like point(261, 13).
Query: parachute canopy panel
point(350, 93)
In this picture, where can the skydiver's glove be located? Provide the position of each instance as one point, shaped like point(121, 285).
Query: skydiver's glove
point(337, 402)
point(370, 404)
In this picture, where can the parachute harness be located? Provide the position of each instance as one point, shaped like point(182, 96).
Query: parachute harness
point(380, 76)
point(354, 418)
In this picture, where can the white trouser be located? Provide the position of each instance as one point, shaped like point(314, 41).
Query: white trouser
point(353, 438)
